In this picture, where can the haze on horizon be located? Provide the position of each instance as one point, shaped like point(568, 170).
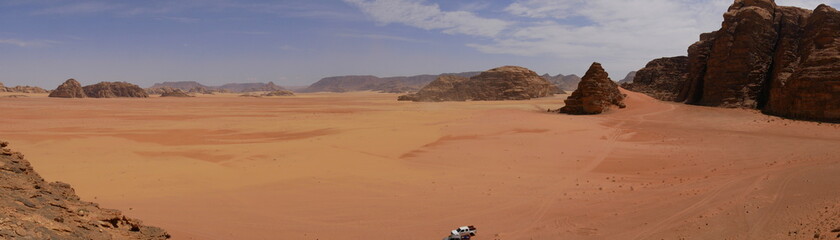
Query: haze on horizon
point(296, 42)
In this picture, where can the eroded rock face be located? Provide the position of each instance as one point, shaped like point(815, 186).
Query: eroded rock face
point(31, 208)
point(808, 87)
point(503, 83)
point(595, 94)
point(661, 78)
point(782, 60)
point(69, 89)
point(115, 89)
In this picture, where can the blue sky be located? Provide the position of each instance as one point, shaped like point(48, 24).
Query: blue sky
point(297, 42)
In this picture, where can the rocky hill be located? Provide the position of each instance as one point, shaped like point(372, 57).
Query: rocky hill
point(782, 60)
point(183, 85)
point(173, 92)
point(662, 78)
point(596, 93)
point(22, 89)
point(31, 208)
point(114, 89)
point(69, 89)
point(373, 83)
point(504, 83)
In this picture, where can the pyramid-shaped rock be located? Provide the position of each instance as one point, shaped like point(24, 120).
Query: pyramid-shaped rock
point(596, 93)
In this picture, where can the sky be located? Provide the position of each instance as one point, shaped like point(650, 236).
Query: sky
point(297, 42)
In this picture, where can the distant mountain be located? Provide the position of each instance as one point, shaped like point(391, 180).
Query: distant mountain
point(192, 86)
point(373, 83)
point(566, 83)
point(629, 78)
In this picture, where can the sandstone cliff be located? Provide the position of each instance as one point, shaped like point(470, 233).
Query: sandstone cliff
point(114, 89)
point(661, 78)
point(784, 61)
point(596, 93)
point(31, 208)
point(22, 89)
point(69, 89)
point(504, 83)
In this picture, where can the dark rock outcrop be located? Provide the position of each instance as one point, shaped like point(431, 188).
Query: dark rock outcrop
point(69, 89)
point(784, 61)
point(661, 78)
point(114, 90)
point(279, 93)
point(595, 94)
point(503, 83)
point(31, 208)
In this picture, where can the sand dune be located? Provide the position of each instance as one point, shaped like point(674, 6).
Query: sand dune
point(362, 165)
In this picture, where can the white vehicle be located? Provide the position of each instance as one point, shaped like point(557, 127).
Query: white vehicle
point(462, 233)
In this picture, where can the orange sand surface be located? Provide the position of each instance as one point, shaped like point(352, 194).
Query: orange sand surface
point(364, 166)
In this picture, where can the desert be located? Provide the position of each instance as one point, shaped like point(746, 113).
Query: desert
point(343, 166)
point(207, 121)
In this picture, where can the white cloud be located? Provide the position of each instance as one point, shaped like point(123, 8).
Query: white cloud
point(378, 37)
point(419, 14)
point(25, 43)
point(543, 8)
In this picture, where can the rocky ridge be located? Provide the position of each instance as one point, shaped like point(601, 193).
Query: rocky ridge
point(596, 93)
point(114, 89)
point(503, 83)
point(31, 208)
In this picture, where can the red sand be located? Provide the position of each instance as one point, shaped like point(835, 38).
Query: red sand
point(361, 166)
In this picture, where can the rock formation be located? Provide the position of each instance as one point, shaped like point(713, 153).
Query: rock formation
point(661, 78)
point(595, 94)
point(806, 77)
point(784, 61)
point(69, 89)
point(279, 93)
point(504, 83)
point(173, 92)
point(22, 89)
point(115, 89)
point(31, 208)
point(372, 83)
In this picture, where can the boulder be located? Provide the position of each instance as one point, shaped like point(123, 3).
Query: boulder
point(503, 83)
point(661, 78)
point(596, 93)
point(69, 89)
point(114, 90)
point(31, 208)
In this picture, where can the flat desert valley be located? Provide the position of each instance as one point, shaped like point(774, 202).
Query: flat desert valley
point(364, 166)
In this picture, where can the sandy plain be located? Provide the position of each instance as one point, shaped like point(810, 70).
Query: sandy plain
point(363, 166)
